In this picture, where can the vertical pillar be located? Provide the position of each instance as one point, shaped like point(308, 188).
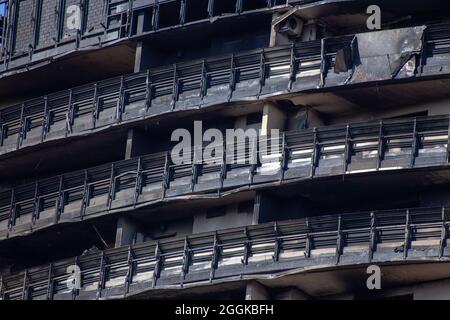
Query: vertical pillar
point(264, 208)
point(273, 31)
point(240, 122)
point(292, 294)
point(139, 63)
point(147, 56)
point(127, 232)
point(144, 21)
point(256, 291)
point(138, 143)
point(143, 24)
point(273, 118)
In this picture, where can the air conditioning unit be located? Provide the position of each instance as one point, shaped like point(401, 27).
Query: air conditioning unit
point(291, 26)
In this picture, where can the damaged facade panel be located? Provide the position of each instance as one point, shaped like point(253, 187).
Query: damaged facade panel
point(382, 55)
point(39, 31)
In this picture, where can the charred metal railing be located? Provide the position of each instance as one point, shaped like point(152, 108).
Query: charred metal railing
point(312, 153)
point(347, 239)
point(102, 21)
point(185, 86)
point(160, 90)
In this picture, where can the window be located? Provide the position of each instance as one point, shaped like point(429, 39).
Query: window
point(224, 7)
point(246, 207)
point(3, 14)
point(254, 118)
point(254, 4)
point(196, 10)
point(216, 212)
point(3, 8)
point(169, 14)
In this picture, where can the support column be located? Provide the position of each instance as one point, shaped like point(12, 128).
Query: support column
point(241, 123)
point(147, 56)
point(273, 31)
point(138, 143)
point(127, 233)
point(144, 23)
point(256, 291)
point(273, 118)
point(292, 294)
point(263, 209)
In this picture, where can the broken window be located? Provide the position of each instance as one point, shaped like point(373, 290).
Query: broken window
point(225, 7)
point(216, 212)
point(246, 207)
point(147, 23)
point(254, 4)
point(196, 10)
point(254, 118)
point(169, 14)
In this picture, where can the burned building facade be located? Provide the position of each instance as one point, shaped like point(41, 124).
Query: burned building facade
point(93, 205)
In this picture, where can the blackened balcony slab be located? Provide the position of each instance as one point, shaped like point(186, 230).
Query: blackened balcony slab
point(249, 76)
point(372, 148)
point(402, 236)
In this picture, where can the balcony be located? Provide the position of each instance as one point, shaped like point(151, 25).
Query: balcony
point(400, 145)
point(244, 77)
point(103, 23)
point(397, 236)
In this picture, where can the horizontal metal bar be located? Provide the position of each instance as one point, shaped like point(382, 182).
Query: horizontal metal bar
point(301, 154)
point(207, 77)
point(284, 241)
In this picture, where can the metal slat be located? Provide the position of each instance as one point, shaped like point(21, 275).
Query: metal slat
point(429, 127)
point(323, 229)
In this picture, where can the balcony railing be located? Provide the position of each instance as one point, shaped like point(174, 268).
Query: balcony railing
point(38, 29)
point(398, 144)
point(187, 86)
point(404, 235)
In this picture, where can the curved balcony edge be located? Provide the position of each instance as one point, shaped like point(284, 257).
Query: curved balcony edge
point(245, 77)
point(398, 145)
point(354, 239)
point(98, 30)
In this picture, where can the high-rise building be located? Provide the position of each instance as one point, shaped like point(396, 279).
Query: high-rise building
point(224, 149)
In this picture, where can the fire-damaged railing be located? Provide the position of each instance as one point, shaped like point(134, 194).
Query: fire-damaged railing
point(38, 29)
point(160, 90)
point(306, 154)
point(187, 86)
point(319, 241)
